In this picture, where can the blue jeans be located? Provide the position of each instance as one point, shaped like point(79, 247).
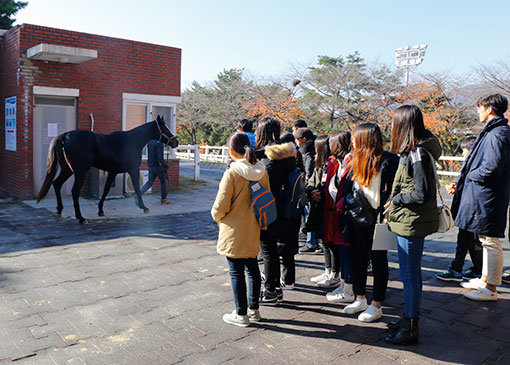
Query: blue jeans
point(410, 252)
point(344, 252)
point(311, 240)
point(236, 267)
point(160, 173)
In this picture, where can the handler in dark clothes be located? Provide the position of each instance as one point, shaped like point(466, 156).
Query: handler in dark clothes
point(157, 168)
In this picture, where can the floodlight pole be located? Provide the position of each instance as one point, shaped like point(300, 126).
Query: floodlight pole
point(409, 56)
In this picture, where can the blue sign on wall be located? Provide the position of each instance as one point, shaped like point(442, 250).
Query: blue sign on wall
point(10, 123)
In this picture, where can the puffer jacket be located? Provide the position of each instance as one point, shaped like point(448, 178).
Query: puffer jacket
point(280, 160)
point(481, 198)
point(239, 230)
point(413, 211)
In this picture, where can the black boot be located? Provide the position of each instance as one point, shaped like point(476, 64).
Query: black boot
point(395, 325)
point(407, 334)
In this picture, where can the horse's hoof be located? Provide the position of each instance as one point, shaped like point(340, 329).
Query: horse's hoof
point(82, 221)
point(101, 214)
point(57, 215)
point(146, 210)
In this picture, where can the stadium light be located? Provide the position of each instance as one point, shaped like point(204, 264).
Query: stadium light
point(409, 56)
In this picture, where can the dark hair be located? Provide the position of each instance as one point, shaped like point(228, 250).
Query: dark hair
point(497, 102)
point(268, 131)
point(467, 142)
point(321, 151)
point(340, 144)
point(240, 143)
point(287, 137)
point(300, 123)
point(245, 125)
point(368, 150)
point(407, 129)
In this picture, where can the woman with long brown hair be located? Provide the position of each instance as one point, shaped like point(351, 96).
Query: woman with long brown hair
point(412, 211)
point(372, 173)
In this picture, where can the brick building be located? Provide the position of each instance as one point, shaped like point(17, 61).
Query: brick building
point(54, 80)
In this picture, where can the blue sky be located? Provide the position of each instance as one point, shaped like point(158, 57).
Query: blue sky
point(266, 37)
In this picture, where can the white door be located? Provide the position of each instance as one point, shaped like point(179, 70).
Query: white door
point(52, 117)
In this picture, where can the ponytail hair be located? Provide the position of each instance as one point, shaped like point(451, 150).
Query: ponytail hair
point(240, 143)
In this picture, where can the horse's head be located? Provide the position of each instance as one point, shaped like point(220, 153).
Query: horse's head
point(165, 136)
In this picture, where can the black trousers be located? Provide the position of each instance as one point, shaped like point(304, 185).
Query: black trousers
point(280, 239)
point(331, 257)
point(361, 251)
point(467, 241)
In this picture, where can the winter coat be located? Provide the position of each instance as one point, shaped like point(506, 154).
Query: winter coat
point(413, 211)
point(239, 230)
point(307, 150)
point(333, 221)
point(481, 198)
point(280, 160)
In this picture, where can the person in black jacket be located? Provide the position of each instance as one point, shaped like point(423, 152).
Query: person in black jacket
point(482, 193)
point(281, 237)
point(157, 169)
point(372, 174)
point(305, 140)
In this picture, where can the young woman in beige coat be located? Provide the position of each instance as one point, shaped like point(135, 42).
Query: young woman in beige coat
point(239, 230)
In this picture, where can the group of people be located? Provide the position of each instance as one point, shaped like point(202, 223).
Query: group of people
point(355, 188)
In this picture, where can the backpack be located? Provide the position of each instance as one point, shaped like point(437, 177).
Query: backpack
point(293, 195)
point(263, 204)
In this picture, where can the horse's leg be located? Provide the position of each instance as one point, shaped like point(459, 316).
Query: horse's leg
point(135, 176)
point(65, 173)
point(79, 178)
point(107, 185)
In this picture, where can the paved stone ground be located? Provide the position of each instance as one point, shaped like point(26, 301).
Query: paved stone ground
point(152, 290)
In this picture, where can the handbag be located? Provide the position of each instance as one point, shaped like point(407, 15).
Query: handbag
point(384, 239)
point(446, 221)
point(358, 209)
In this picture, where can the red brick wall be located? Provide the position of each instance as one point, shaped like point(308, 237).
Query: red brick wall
point(11, 162)
point(122, 66)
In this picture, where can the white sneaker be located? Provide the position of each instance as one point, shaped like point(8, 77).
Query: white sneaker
point(482, 294)
point(321, 277)
point(286, 286)
point(236, 319)
point(359, 305)
point(330, 282)
point(371, 314)
point(336, 291)
point(254, 315)
point(344, 296)
point(473, 284)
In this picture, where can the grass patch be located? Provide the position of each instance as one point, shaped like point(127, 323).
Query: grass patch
point(187, 183)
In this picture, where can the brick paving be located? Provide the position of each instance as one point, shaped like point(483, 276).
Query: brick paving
point(151, 290)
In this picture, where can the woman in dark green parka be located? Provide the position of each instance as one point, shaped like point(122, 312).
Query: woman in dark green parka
point(413, 212)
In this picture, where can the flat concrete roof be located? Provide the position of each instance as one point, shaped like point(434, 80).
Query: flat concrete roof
point(63, 54)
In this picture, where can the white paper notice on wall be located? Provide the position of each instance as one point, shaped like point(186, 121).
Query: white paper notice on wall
point(52, 129)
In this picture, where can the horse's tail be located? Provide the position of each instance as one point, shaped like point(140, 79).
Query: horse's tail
point(52, 166)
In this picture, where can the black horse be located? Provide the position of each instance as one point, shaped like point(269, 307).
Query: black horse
point(77, 151)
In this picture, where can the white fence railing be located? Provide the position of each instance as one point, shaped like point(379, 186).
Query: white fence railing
point(210, 153)
point(450, 158)
point(220, 154)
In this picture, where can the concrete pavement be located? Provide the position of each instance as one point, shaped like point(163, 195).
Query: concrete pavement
point(150, 289)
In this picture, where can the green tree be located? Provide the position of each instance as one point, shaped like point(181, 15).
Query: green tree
point(9, 8)
point(343, 91)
